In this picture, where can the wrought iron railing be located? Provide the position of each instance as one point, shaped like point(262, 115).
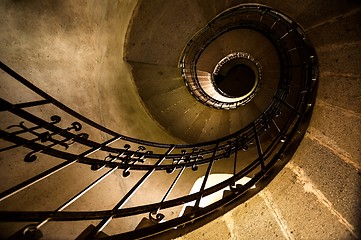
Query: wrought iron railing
point(286, 36)
point(67, 138)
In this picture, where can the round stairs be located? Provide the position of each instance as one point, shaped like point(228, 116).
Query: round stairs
point(316, 195)
point(165, 94)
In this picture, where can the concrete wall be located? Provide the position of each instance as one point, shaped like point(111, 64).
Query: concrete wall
point(73, 50)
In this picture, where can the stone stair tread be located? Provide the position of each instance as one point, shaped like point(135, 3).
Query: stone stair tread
point(145, 222)
point(194, 131)
point(83, 235)
point(336, 179)
point(154, 80)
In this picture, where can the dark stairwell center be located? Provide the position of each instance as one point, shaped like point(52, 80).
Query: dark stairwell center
point(237, 81)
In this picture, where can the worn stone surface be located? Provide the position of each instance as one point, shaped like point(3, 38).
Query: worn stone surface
point(221, 233)
point(306, 216)
point(339, 126)
point(342, 31)
point(329, 156)
point(283, 210)
point(251, 220)
point(339, 181)
point(66, 49)
point(341, 90)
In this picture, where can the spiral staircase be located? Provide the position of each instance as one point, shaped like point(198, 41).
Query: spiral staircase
point(113, 113)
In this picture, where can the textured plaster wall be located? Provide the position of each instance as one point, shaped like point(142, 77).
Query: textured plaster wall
point(73, 50)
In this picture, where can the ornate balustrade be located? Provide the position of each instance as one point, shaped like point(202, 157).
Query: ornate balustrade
point(256, 151)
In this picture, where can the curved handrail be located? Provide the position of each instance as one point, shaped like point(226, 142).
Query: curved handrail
point(269, 135)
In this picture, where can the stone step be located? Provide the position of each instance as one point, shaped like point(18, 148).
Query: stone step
point(240, 40)
point(333, 179)
point(154, 80)
point(296, 204)
point(145, 222)
point(88, 230)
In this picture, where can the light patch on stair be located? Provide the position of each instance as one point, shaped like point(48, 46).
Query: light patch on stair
point(325, 141)
point(311, 188)
point(213, 179)
point(267, 197)
point(228, 219)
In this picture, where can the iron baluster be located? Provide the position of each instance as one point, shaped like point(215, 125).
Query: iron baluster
point(55, 119)
point(274, 122)
point(265, 123)
point(77, 196)
point(178, 161)
point(127, 196)
point(259, 147)
point(51, 171)
point(242, 142)
point(208, 172)
point(30, 157)
point(134, 159)
point(234, 186)
point(228, 152)
point(288, 105)
point(111, 158)
point(45, 136)
point(158, 216)
point(194, 157)
point(274, 23)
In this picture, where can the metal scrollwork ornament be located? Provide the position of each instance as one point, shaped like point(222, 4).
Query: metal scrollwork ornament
point(156, 217)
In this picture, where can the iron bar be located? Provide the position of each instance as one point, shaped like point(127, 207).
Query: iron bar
point(173, 184)
point(49, 172)
point(170, 189)
point(292, 49)
point(77, 196)
point(34, 180)
point(273, 24)
point(93, 215)
point(235, 162)
point(287, 104)
point(210, 165)
point(235, 158)
point(127, 196)
point(259, 148)
point(278, 129)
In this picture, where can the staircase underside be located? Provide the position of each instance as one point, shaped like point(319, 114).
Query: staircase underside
point(70, 50)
